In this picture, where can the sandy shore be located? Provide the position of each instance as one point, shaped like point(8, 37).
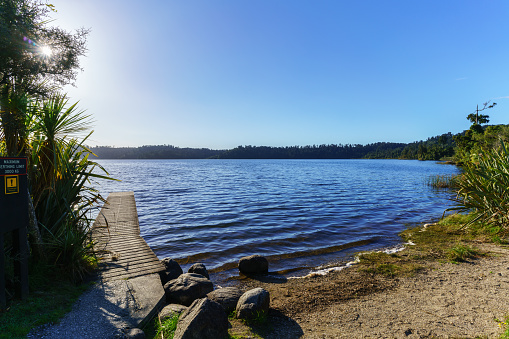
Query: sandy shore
point(445, 300)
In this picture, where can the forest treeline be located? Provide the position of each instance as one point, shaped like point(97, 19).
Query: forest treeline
point(154, 152)
point(434, 148)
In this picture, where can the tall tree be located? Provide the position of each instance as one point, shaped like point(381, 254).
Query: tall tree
point(478, 119)
point(34, 57)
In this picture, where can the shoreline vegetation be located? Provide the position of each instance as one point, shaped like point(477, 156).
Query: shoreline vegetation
point(447, 147)
point(306, 306)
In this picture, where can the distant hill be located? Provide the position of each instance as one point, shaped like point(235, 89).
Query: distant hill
point(434, 148)
point(154, 152)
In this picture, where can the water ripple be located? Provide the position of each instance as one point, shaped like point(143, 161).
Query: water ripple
point(296, 212)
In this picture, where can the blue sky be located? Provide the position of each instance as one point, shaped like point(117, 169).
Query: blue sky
point(218, 74)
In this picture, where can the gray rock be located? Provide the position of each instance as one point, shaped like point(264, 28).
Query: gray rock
point(134, 333)
point(204, 319)
point(172, 270)
point(199, 268)
point(187, 288)
point(253, 264)
point(253, 303)
point(226, 297)
point(170, 310)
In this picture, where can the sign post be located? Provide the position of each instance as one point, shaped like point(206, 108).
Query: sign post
point(14, 218)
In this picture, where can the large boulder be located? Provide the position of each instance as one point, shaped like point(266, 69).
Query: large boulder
point(253, 264)
point(172, 270)
point(204, 319)
point(199, 268)
point(226, 297)
point(170, 310)
point(252, 304)
point(187, 288)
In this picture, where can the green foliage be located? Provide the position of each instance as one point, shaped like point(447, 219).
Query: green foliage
point(167, 328)
point(505, 326)
point(390, 265)
point(471, 143)
point(24, 30)
point(484, 188)
point(443, 181)
point(478, 119)
point(60, 178)
point(461, 252)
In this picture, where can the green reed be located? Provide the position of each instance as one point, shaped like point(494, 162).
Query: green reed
point(446, 181)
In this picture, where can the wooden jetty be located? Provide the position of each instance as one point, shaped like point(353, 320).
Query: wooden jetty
point(122, 251)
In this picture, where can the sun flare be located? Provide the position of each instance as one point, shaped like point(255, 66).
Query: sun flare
point(46, 51)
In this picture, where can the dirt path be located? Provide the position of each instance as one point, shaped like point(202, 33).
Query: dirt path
point(446, 301)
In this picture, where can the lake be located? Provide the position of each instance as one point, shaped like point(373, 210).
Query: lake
point(298, 213)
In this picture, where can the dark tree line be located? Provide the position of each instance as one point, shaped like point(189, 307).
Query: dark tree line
point(434, 148)
point(154, 152)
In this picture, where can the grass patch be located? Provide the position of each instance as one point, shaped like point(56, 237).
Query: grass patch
point(389, 265)
point(462, 252)
point(167, 328)
point(51, 297)
point(449, 240)
point(505, 326)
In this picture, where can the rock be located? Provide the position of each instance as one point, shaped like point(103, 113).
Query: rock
point(199, 268)
point(226, 297)
point(169, 310)
point(187, 288)
point(253, 264)
point(135, 333)
point(204, 319)
point(253, 304)
point(172, 270)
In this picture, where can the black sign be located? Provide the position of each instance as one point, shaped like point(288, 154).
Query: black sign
point(13, 166)
point(14, 218)
point(13, 194)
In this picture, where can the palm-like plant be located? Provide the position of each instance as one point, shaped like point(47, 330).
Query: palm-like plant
point(61, 183)
point(484, 188)
point(50, 134)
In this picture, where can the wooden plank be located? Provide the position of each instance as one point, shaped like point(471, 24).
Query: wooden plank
point(116, 234)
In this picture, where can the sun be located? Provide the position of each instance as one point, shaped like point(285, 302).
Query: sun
point(46, 51)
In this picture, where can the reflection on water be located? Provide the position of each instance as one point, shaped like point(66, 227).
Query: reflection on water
point(298, 213)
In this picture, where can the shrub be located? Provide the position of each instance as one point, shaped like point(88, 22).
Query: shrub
point(483, 188)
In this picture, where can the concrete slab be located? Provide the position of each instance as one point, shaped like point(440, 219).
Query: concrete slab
point(148, 299)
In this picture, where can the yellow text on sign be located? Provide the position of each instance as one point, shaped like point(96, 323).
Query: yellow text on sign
point(11, 184)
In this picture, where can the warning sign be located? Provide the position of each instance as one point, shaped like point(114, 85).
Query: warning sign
point(11, 184)
point(12, 166)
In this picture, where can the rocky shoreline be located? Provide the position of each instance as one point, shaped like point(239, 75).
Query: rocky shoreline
point(444, 300)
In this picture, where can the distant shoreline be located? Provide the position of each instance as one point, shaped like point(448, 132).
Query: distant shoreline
point(436, 148)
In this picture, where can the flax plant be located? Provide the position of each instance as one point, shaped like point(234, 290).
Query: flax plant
point(484, 188)
point(62, 184)
point(51, 134)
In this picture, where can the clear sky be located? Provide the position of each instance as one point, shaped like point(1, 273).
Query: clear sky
point(223, 73)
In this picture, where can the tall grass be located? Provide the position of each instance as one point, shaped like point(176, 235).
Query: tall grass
point(484, 188)
point(447, 181)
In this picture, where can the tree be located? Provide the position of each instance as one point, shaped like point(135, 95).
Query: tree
point(478, 119)
point(36, 58)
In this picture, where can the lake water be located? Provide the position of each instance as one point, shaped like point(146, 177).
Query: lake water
point(298, 213)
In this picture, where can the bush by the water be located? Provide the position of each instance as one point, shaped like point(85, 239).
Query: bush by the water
point(484, 188)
